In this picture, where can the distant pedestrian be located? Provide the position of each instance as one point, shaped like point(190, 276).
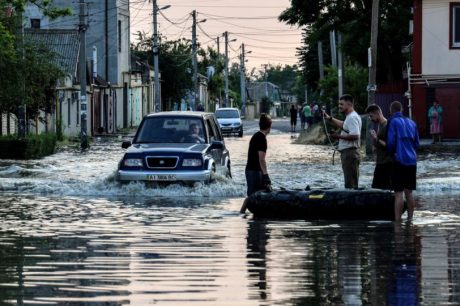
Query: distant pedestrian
point(256, 167)
point(402, 143)
point(316, 113)
point(308, 115)
point(435, 116)
point(293, 112)
point(349, 140)
point(302, 118)
point(383, 160)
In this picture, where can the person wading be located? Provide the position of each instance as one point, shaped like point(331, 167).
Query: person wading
point(256, 167)
point(349, 140)
point(383, 160)
point(402, 143)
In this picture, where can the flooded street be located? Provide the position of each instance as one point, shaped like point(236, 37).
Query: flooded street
point(70, 235)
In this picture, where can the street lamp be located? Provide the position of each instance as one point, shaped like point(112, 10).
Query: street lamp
point(155, 55)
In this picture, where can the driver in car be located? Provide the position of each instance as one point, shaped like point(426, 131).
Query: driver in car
point(194, 134)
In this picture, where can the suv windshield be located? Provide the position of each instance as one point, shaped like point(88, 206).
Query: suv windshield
point(171, 130)
point(227, 113)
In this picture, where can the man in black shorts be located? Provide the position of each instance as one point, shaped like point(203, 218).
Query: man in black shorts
point(402, 143)
point(256, 167)
point(383, 160)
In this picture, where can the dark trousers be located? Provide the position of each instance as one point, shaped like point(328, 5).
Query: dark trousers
point(350, 165)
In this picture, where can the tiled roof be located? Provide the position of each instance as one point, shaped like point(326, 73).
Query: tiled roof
point(64, 43)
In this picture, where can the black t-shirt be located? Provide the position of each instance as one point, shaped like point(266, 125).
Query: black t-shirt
point(258, 143)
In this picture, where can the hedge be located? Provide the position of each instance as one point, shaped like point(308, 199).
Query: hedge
point(33, 146)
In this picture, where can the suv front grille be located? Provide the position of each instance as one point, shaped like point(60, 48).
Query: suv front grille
point(159, 162)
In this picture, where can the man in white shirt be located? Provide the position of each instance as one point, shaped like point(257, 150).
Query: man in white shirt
point(349, 140)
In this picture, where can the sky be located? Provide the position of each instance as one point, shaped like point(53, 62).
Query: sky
point(252, 22)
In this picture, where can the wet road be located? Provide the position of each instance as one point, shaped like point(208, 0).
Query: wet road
point(71, 236)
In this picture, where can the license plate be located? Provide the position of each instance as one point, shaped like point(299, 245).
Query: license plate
point(161, 177)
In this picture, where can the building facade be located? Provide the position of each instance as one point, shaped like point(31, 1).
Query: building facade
point(436, 63)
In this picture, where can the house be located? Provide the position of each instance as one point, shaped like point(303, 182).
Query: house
point(118, 96)
point(65, 45)
point(257, 90)
point(436, 63)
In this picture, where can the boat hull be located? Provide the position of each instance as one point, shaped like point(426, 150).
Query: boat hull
point(323, 204)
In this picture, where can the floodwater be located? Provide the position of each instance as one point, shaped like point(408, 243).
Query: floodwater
point(69, 235)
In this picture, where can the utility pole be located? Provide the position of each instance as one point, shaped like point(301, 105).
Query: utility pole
point(321, 63)
point(156, 88)
point(320, 60)
point(340, 67)
point(82, 65)
point(266, 79)
point(372, 58)
point(194, 63)
point(226, 69)
point(333, 48)
point(243, 81)
point(218, 46)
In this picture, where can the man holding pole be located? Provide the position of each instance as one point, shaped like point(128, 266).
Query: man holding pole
point(349, 140)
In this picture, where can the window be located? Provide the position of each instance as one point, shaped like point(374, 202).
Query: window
point(455, 25)
point(35, 23)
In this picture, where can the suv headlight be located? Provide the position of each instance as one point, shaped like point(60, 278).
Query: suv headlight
point(191, 162)
point(237, 124)
point(133, 162)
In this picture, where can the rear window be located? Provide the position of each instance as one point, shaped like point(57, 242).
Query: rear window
point(227, 113)
point(167, 129)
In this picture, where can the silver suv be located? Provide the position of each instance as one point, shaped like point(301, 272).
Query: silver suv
point(230, 121)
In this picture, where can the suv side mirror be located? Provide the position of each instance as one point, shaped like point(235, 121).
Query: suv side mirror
point(217, 144)
point(126, 144)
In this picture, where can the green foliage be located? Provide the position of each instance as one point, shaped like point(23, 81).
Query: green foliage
point(265, 105)
point(46, 6)
point(33, 146)
point(355, 83)
point(175, 64)
point(352, 18)
point(28, 70)
point(210, 58)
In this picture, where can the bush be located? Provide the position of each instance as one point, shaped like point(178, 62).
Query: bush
point(265, 105)
point(33, 146)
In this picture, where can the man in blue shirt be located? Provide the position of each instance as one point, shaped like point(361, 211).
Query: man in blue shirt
point(402, 143)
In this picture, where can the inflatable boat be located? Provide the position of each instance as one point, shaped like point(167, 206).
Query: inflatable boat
point(323, 204)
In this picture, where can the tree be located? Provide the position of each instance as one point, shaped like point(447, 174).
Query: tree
point(175, 65)
point(209, 58)
point(352, 18)
point(28, 73)
point(355, 81)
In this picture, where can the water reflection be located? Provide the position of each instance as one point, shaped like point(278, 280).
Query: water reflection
point(304, 263)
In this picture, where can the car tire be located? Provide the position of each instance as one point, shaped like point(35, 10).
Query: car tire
point(240, 133)
point(212, 176)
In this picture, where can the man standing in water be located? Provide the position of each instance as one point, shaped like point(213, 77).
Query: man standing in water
point(349, 140)
point(402, 143)
point(256, 167)
point(383, 160)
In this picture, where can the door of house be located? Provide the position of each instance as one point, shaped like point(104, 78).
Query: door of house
point(449, 99)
